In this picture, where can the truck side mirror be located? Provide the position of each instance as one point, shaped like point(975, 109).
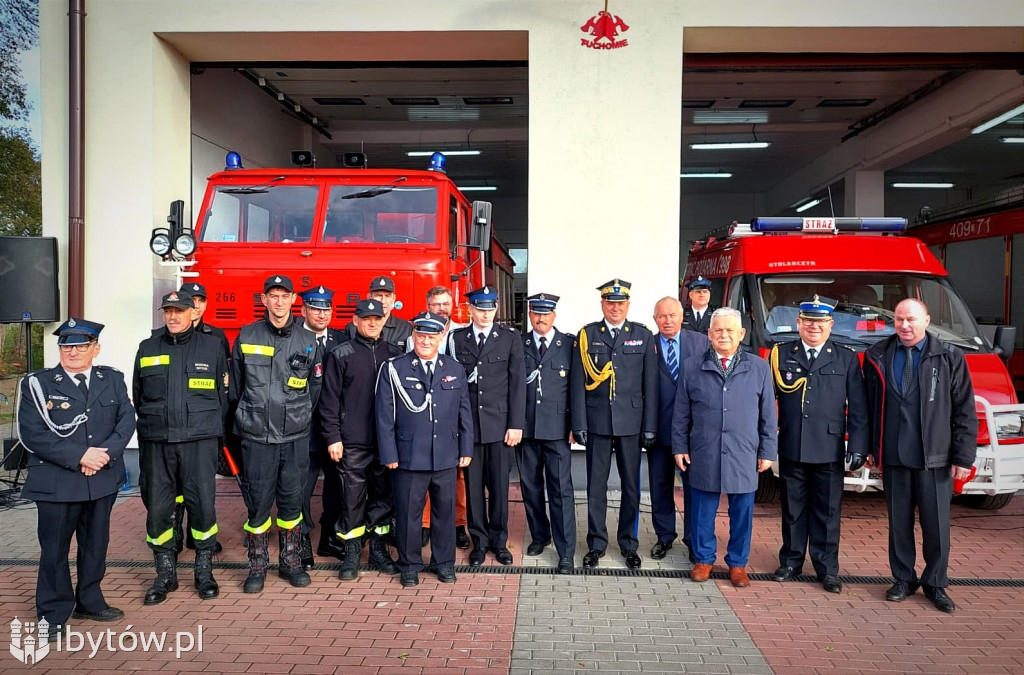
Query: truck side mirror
point(1005, 338)
point(480, 234)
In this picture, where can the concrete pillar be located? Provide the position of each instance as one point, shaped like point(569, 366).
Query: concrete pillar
point(864, 194)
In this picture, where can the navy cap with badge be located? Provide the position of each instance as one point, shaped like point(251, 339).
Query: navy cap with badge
point(317, 298)
point(483, 298)
point(817, 307)
point(700, 283)
point(428, 322)
point(382, 284)
point(542, 303)
point(78, 332)
point(615, 290)
point(365, 308)
point(195, 289)
point(177, 300)
point(278, 281)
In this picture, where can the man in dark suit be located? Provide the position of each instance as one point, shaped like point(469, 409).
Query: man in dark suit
point(820, 392)
point(544, 456)
point(614, 409)
point(424, 435)
point(493, 358)
point(76, 420)
point(924, 432)
point(673, 345)
point(697, 317)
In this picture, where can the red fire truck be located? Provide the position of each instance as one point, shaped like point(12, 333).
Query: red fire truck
point(765, 268)
point(338, 228)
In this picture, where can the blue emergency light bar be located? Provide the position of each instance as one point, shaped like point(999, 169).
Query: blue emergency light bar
point(232, 161)
point(437, 162)
point(828, 225)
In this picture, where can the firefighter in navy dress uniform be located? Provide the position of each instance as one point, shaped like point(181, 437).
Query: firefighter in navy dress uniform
point(820, 392)
point(544, 455)
point(76, 420)
point(614, 409)
point(424, 435)
point(697, 317)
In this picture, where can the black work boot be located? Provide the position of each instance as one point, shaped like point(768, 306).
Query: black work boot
point(258, 559)
point(380, 556)
point(166, 577)
point(350, 565)
point(178, 525)
point(205, 583)
point(306, 552)
point(290, 565)
point(330, 545)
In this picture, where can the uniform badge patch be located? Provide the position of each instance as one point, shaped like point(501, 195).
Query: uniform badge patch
point(49, 405)
point(561, 373)
point(318, 370)
point(449, 378)
point(789, 377)
point(65, 405)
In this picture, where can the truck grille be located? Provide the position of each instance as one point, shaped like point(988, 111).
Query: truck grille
point(225, 314)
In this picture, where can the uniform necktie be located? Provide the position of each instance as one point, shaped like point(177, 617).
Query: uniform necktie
point(673, 362)
point(430, 371)
point(699, 316)
point(322, 341)
point(82, 386)
point(907, 377)
point(812, 354)
point(481, 337)
point(543, 346)
point(615, 333)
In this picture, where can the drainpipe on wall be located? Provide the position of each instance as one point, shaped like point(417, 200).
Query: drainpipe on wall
point(76, 158)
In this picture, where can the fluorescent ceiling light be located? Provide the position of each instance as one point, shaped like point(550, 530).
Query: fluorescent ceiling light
point(1012, 139)
point(730, 116)
point(478, 188)
point(729, 146)
point(446, 153)
point(706, 175)
point(998, 120)
point(925, 186)
point(808, 205)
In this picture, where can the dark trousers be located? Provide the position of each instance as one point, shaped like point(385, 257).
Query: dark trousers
point(329, 500)
point(661, 478)
point(741, 527)
point(410, 489)
point(275, 472)
point(928, 491)
point(187, 469)
point(90, 523)
point(599, 463)
point(684, 478)
point(487, 494)
point(548, 464)
point(812, 500)
point(363, 489)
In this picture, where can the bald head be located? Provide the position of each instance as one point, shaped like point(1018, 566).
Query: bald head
point(911, 320)
point(668, 314)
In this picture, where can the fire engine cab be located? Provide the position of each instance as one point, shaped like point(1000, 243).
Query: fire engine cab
point(765, 268)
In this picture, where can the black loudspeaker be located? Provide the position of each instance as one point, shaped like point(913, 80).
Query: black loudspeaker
point(353, 160)
point(28, 277)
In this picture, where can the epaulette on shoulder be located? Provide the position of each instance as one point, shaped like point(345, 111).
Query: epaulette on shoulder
point(110, 368)
point(640, 324)
point(510, 329)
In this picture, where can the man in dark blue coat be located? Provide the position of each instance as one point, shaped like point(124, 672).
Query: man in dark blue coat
point(424, 435)
point(697, 317)
point(673, 346)
point(820, 391)
point(544, 456)
point(724, 432)
point(614, 409)
point(76, 420)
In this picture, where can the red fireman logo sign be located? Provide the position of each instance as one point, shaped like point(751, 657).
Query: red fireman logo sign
point(603, 29)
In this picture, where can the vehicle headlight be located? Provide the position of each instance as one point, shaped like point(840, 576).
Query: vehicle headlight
point(160, 243)
point(185, 244)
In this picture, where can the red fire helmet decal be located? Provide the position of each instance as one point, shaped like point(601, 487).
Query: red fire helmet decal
point(603, 28)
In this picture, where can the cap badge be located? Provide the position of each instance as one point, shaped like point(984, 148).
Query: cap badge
point(195, 287)
point(71, 323)
point(173, 296)
point(322, 290)
point(277, 278)
point(383, 282)
point(369, 305)
point(486, 289)
point(815, 298)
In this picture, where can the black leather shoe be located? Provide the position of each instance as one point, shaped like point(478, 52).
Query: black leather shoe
point(591, 558)
point(786, 573)
point(108, 614)
point(461, 538)
point(446, 575)
point(477, 555)
point(938, 596)
point(832, 584)
point(690, 556)
point(503, 555)
point(330, 546)
point(900, 590)
point(536, 547)
point(661, 549)
point(410, 579)
point(632, 560)
point(424, 536)
point(565, 565)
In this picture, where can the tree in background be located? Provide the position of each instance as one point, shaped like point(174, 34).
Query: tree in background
point(19, 31)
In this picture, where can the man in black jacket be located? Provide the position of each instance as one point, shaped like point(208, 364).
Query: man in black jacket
point(355, 477)
point(924, 432)
point(180, 388)
point(396, 331)
point(820, 392)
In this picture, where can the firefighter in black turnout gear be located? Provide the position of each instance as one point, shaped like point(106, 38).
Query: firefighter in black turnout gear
point(271, 364)
point(355, 474)
point(180, 387)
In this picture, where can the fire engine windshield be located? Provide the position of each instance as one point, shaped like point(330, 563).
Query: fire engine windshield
point(282, 214)
point(358, 214)
point(866, 303)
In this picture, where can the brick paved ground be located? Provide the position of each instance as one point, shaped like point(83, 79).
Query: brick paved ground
point(504, 622)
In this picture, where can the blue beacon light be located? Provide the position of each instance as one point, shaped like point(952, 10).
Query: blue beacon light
point(437, 162)
point(232, 161)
